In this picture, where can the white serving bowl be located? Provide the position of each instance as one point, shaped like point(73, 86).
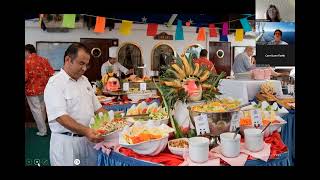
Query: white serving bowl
point(272, 128)
point(150, 148)
point(176, 150)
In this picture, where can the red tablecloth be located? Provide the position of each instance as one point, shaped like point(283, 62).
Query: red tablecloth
point(168, 159)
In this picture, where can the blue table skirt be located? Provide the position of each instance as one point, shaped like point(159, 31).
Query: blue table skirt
point(124, 107)
point(117, 159)
point(288, 133)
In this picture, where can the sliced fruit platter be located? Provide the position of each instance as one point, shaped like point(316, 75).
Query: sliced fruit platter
point(108, 124)
point(145, 139)
point(219, 106)
point(143, 113)
point(267, 117)
point(265, 106)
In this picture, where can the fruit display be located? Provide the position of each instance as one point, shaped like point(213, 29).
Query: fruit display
point(110, 83)
point(267, 116)
point(267, 92)
point(186, 80)
point(224, 105)
point(106, 123)
point(142, 108)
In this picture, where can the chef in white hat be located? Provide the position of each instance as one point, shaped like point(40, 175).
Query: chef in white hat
point(113, 62)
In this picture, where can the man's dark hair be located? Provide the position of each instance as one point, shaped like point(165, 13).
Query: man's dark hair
point(30, 48)
point(73, 49)
point(278, 31)
point(203, 53)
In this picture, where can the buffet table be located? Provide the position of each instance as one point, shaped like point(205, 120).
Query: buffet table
point(120, 156)
point(245, 90)
point(124, 107)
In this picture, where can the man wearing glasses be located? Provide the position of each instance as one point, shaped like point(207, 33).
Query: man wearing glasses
point(71, 103)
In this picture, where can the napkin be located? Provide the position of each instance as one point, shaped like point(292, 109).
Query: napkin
point(212, 161)
point(236, 161)
point(263, 154)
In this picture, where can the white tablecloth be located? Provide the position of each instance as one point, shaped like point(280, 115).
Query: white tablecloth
point(245, 89)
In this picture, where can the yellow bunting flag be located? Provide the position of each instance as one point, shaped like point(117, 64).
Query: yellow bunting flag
point(100, 24)
point(125, 27)
point(69, 20)
point(239, 34)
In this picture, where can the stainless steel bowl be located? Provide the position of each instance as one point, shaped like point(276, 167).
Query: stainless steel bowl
point(218, 122)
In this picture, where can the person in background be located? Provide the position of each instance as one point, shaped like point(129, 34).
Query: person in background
point(204, 61)
point(71, 103)
point(37, 73)
point(113, 62)
point(273, 14)
point(273, 73)
point(242, 61)
point(277, 38)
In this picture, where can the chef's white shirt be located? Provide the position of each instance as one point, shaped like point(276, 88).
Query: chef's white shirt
point(117, 68)
point(66, 96)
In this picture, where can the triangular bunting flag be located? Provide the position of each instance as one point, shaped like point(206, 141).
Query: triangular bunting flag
point(225, 28)
point(212, 30)
point(100, 24)
point(223, 38)
point(179, 31)
point(245, 24)
point(201, 34)
point(239, 34)
point(125, 27)
point(152, 29)
point(69, 20)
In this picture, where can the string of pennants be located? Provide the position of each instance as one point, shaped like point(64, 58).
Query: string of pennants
point(152, 28)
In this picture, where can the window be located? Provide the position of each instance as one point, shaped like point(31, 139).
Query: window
point(129, 56)
point(162, 55)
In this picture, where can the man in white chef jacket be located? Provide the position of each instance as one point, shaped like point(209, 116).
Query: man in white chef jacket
point(71, 103)
point(117, 68)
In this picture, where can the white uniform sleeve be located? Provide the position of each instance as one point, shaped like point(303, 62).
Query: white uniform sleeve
point(103, 69)
point(96, 104)
point(55, 101)
point(123, 69)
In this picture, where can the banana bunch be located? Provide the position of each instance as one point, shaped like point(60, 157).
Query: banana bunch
point(185, 69)
point(104, 79)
